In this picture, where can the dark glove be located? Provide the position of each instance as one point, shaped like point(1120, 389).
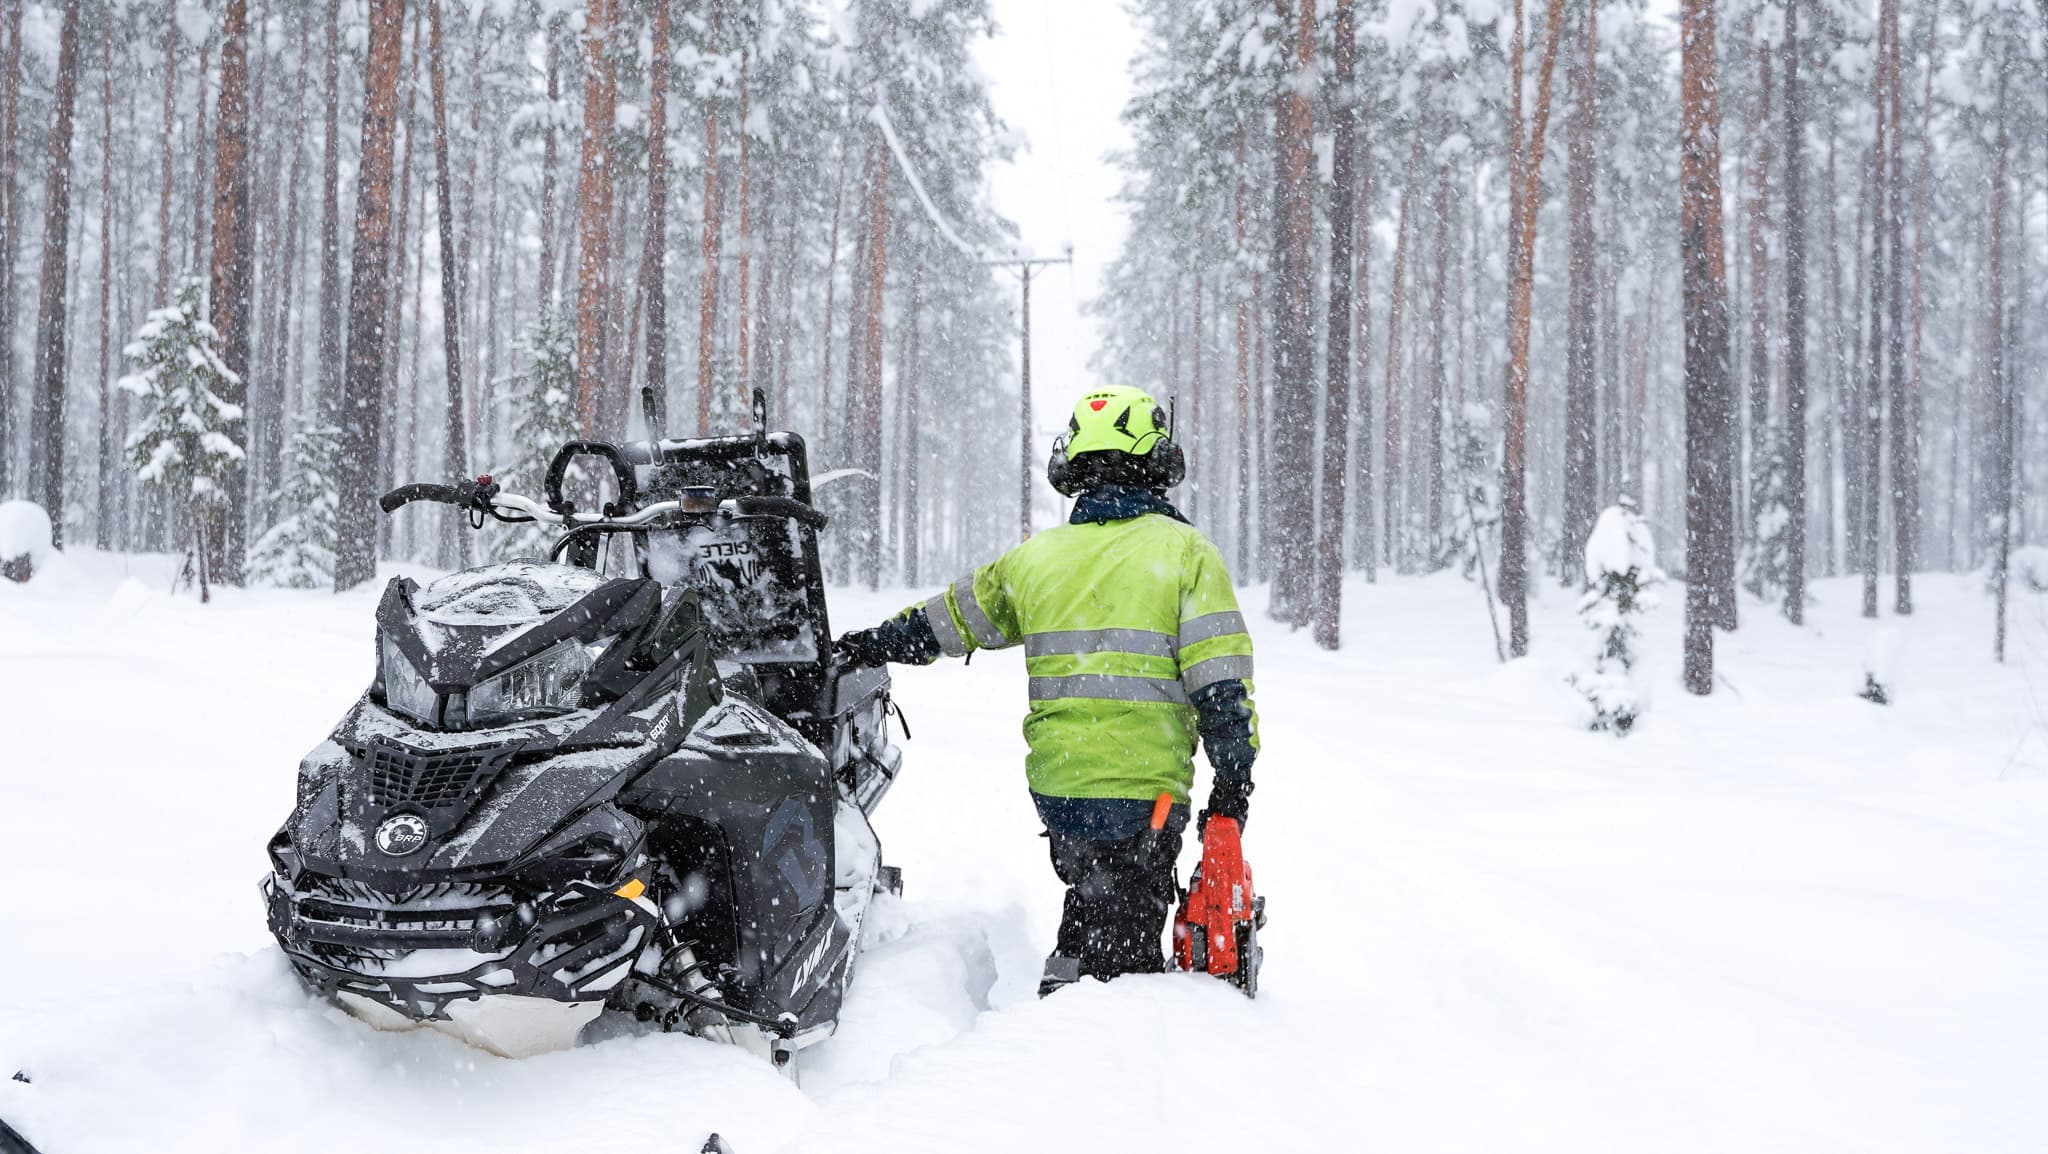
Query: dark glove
point(861, 649)
point(906, 639)
point(1230, 797)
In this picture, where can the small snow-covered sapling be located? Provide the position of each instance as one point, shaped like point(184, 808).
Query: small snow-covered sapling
point(1880, 660)
point(1621, 574)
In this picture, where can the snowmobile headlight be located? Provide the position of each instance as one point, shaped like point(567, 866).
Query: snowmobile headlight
point(405, 691)
point(548, 682)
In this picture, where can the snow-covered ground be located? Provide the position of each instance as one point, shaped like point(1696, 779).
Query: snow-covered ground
point(1781, 918)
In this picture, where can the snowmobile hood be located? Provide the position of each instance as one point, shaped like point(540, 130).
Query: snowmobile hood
point(385, 803)
point(466, 627)
point(391, 800)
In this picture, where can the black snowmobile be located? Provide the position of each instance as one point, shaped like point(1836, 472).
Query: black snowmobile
point(570, 791)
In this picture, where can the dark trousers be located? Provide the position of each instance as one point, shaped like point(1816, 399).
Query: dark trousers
point(1119, 894)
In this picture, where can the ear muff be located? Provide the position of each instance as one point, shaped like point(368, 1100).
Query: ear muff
point(1166, 463)
point(1063, 473)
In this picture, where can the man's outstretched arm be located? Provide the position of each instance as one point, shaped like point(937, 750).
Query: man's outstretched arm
point(905, 639)
point(973, 613)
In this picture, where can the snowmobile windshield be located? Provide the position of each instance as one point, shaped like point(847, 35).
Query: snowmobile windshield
point(519, 593)
point(749, 574)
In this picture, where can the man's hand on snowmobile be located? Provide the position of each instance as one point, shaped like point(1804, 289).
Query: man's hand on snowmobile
point(861, 649)
point(1230, 797)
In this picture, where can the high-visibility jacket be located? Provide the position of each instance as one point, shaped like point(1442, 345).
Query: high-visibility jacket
point(1121, 621)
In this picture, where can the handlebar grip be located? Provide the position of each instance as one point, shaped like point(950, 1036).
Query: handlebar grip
point(799, 511)
point(407, 494)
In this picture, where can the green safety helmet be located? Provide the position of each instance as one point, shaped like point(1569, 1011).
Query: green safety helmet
point(1118, 435)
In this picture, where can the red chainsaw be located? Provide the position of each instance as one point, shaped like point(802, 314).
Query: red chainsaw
point(1217, 927)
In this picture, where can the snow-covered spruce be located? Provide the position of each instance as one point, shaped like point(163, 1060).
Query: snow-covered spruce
point(186, 442)
point(298, 551)
point(24, 539)
point(1880, 667)
point(1767, 567)
point(542, 400)
point(1475, 499)
point(2029, 568)
point(1621, 574)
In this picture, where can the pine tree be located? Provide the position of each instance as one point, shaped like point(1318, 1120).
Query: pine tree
point(187, 442)
point(542, 401)
point(298, 551)
point(1621, 574)
point(1475, 507)
point(1709, 400)
point(1767, 571)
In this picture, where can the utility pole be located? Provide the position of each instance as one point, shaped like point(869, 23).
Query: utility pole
point(1024, 265)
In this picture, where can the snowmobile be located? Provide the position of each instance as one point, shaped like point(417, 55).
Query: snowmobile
point(635, 790)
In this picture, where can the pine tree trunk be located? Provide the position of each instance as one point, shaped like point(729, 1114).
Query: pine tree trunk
point(912, 373)
point(233, 270)
point(550, 162)
point(779, 402)
point(103, 519)
point(1871, 418)
point(1293, 477)
point(1615, 476)
point(1757, 136)
point(1999, 384)
point(745, 241)
point(1192, 438)
point(831, 284)
point(1336, 465)
point(399, 438)
point(653, 262)
point(1837, 428)
point(1526, 179)
point(1244, 376)
point(1709, 407)
point(46, 426)
point(865, 393)
point(10, 232)
point(330, 347)
point(762, 374)
point(202, 149)
point(714, 228)
point(1365, 547)
point(355, 558)
point(1393, 530)
point(594, 214)
point(1905, 471)
point(455, 456)
point(285, 314)
point(1581, 433)
point(1795, 323)
point(1433, 418)
point(1922, 181)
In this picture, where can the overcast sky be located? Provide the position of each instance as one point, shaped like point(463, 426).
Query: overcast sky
point(1058, 71)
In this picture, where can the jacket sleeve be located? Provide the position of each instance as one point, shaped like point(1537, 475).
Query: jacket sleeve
point(973, 613)
point(1216, 663)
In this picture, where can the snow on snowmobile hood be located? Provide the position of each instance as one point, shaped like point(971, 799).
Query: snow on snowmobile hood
point(419, 780)
point(462, 621)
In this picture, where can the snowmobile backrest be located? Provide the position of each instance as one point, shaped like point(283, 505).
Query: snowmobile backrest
point(759, 573)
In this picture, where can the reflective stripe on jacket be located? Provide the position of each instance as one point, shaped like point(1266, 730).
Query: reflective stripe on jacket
point(1120, 621)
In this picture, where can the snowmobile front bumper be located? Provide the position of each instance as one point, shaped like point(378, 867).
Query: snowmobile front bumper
point(418, 954)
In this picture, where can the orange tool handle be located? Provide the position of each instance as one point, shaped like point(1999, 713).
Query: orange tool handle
point(1160, 809)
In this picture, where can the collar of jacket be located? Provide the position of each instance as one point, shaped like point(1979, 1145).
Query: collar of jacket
point(1120, 503)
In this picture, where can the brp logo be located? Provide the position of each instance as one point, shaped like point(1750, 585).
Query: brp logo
point(402, 834)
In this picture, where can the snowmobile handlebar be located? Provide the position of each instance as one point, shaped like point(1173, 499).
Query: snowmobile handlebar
point(483, 495)
point(406, 494)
